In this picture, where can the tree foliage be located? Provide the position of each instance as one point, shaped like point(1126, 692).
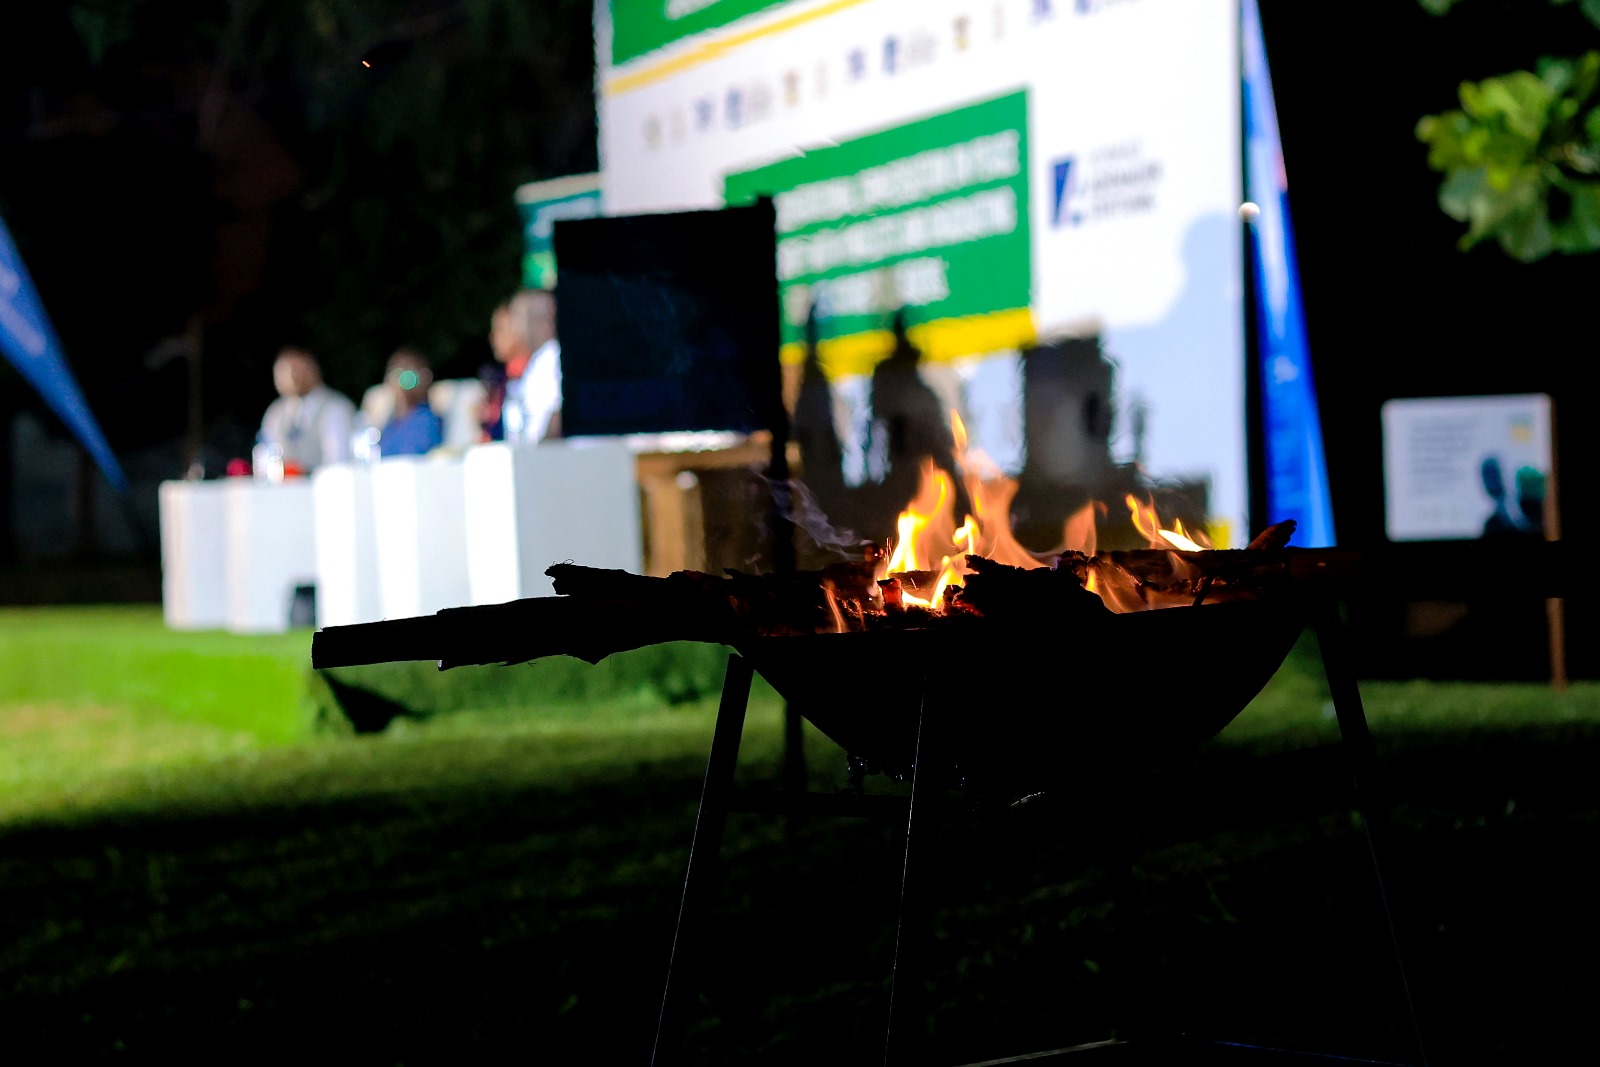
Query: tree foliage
point(335, 173)
point(1521, 156)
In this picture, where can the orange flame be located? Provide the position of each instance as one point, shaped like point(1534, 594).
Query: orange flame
point(991, 492)
point(833, 606)
point(948, 577)
point(1148, 523)
point(927, 529)
point(925, 522)
point(1079, 533)
point(1119, 590)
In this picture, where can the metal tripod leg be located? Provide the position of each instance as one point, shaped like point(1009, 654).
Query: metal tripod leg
point(704, 850)
point(1356, 739)
point(900, 1044)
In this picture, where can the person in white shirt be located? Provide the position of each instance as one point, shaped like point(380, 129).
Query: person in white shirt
point(532, 409)
point(309, 424)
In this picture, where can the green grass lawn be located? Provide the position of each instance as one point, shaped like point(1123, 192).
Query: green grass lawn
point(106, 707)
point(198, 856)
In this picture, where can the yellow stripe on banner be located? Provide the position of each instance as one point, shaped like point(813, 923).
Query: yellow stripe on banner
point(627, 83)
point(945, 340)
point(1220, 531)
point(940, 341)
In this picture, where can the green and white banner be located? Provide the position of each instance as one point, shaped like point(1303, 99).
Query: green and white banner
point(541, 205)
point(930, 217)
point(1008, 171)
point(645, 25)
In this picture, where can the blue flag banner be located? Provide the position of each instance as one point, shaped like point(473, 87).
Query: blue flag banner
point(30, 342)
point(1296, 468)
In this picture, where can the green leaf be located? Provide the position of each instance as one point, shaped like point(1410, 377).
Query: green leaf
point(1475, 141)
point(1524, 230)
point(1521, 156)
point(1445, 136)
point(1521, 100)
point(1460, 191)
point(1528, 237)
point(1587, 76)
point(1557, 74)
point(1585, 217)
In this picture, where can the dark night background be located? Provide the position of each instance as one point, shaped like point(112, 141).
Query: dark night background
point(237, 176)
point(173, 179)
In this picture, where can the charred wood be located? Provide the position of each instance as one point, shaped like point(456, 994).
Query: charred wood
point(1031, 596)
point(597, 612)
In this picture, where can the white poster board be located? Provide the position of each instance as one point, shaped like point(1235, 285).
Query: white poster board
point(1461, 468)
point(1045, 167)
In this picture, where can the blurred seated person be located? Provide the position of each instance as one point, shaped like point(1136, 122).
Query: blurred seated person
point(309, 424)
point(413, 427)
point(523, 387)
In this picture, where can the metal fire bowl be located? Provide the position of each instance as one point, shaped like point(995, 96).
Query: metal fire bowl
point(1027, 710)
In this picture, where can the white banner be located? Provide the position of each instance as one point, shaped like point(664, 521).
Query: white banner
point(1134, 176)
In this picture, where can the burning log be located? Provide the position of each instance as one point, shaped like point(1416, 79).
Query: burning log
point(598, 612)
point(1020, 596)
point(808, 631)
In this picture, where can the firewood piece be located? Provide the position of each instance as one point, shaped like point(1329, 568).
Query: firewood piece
point(385, 641)
point(1170, 578)
point(766, 604)
point(1178, 571)
point(1275, 536)
point(852, 581)
point(587, 628)
point(915, 585)
point(571, 579)
point(774, 604)
point(1026, 596)
point(1164, 569)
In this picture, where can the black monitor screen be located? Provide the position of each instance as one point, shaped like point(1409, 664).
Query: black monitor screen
point(669, 322)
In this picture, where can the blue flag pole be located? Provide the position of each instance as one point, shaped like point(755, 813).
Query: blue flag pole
point(30, 342)
point(1296, 467)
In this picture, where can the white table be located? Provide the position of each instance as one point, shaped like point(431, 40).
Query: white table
point(346, 545)
point(420, 519)
point(233, 552)
point(404, 537)
point(530, 506)
point(194, 562)
point(270, 548)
